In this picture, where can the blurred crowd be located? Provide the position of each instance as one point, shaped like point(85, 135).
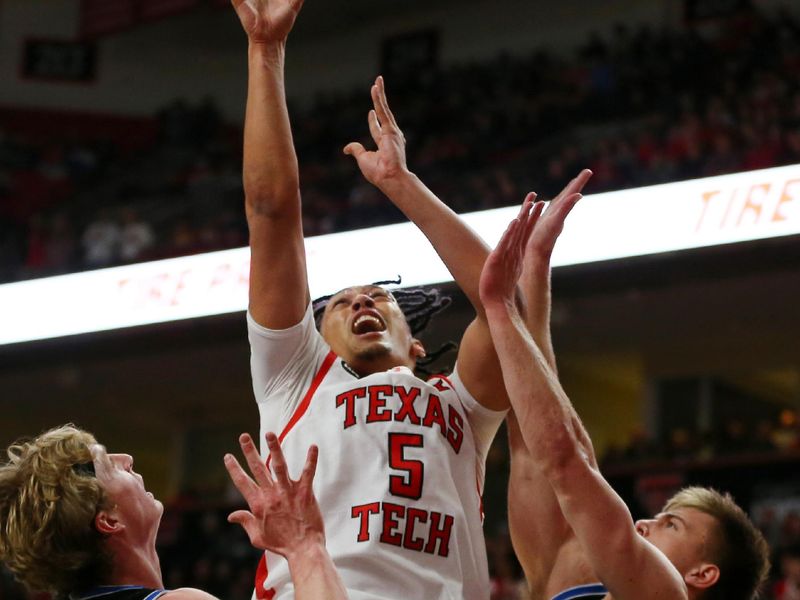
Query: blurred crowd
point(638, 107)
point(735, 437)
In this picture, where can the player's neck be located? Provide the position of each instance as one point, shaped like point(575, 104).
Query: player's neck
point(364, 366)
point(135, 565)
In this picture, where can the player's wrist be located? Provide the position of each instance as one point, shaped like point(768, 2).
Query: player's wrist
point(398, 181)
point(268, 52)
point(499, 308)
point(306, 554)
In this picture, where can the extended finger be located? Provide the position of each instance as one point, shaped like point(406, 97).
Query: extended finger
point(246, 11)
point(526, 205)
point(310, 468)
point(241, 517)
point(278, 461)
point(524, 218)
point(569, 203)
point(508, 237)
point(575, 186)
point(354, 149)
point(254, 461)
point(246, 486)
point(558, 213)
point(374, 126)
point(247, 521)
point(385, 113)
point(530, 224)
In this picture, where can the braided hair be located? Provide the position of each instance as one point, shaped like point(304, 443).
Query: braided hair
point(419, 306)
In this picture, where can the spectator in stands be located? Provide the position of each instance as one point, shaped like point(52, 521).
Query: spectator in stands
point(790, 530)
point(651, 120)
point(136, 236)
point(100, 241)
point(788, 585)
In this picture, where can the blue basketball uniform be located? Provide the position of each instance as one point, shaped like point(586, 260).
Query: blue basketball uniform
point(118, 592)
point(591, 591)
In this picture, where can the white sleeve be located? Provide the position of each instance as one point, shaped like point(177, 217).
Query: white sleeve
point(484, 422)
point(282, 365)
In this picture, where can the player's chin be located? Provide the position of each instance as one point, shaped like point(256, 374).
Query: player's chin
point(368, 350)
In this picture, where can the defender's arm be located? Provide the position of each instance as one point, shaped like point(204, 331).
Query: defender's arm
point(558, 444)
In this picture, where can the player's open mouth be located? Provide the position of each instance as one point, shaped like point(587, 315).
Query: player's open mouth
point(368, 323)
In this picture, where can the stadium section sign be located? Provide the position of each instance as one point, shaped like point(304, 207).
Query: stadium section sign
point(650, 220)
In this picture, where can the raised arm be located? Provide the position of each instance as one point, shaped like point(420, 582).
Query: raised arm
point(537, 525)
point(278, 280)
point(461, 249)
point(284, 517)
point(534, 281)
point(558, 445)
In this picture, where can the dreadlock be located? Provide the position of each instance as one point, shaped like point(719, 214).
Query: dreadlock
point(418, 305)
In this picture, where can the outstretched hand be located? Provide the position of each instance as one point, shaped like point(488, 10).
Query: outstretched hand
point(551, 224)
point(389, 160)
point(503, 267)
point(284, 514)
point(266, 21)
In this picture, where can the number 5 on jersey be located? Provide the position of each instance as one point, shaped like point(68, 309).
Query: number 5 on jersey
point(408, 485)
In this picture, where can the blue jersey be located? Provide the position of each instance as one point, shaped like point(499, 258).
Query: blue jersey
point(590, 591)
point(118, 592)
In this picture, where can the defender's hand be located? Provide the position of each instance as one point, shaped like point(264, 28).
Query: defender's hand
point(550, 225)
point(266, 21)
point(381, 166)
point(503, 267)
point(284, 516)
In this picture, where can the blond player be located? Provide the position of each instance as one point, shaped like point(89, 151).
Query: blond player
point(78, 522)
point(572, 532)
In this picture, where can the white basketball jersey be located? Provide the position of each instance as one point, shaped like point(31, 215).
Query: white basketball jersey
point(400, 473)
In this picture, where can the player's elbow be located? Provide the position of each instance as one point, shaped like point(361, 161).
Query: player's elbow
point(271, 200)
point(562, 456)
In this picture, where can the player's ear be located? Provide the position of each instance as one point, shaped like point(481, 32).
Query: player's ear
point(106, 522)
point(702, 576)
point(417, 349)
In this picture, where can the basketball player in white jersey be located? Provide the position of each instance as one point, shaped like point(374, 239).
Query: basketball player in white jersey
point(572, 533)
point(401, 459)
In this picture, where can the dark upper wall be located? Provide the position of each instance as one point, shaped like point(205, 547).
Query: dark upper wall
point(336, 45)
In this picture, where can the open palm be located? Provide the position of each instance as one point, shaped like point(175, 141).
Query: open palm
point(389, 159)
point(282, 513)
point(503, 267)
point(551, 224)
point(267, 21)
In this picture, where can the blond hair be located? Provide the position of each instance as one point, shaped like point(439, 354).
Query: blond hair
point(48, 500)
point(738, 548)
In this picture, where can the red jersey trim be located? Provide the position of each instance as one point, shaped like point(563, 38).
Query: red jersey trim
point(306, 401)
point(445, 378)
point(262, 572)
point(303, 407)
point(261, 577)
